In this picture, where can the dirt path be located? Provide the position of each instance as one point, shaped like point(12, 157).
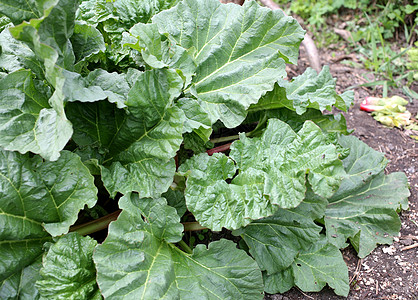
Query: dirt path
point(388, 272)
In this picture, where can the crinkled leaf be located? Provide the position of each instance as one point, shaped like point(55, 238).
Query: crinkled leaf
point(21, 285)
point(23, 10)
point(364, 208)
point(142, 150)
point(274, 242)
point(136, 147)
point(137, 260)
point(99, 85)
point(68, 270)
point(127, 12)
point(49, 38)
point(159, 52)
point(86, 40)
point(161, 221)
point(130, 12)
point(273, 172)
point(320, 264)
point(197, 125)
point(309, 90)
point(239, 50)
point(54, 29)
point(116, 18)
point(333, 124)
point(36, 198)
point(27, 121)
point(94, 11)
point(16, 55)
point(291, 154)
point(196, 117)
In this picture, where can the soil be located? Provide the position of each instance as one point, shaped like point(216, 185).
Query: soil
point(389, 272)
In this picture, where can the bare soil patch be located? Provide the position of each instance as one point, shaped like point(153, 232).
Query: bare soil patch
point(389, 272)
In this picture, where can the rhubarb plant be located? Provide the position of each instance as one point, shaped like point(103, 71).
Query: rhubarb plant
point(174, 122)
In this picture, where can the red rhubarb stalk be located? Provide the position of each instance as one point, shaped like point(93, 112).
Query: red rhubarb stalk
point(221, 148)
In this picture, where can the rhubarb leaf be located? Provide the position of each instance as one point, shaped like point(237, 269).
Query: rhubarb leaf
point(15, 55)
point(21, 285)
point(279, 282)
point(24, 10)
point(176, 199)
point(38, 197)
point(86, 41)
point(68, 271)
point(27, 121)
point(321, 264)
point(52, 29)
point(309, 90)
point(275, 241)
point(159, 52)
point(197, 127)
point(240, 51)
point(273, 172)
point(140, 252)
point(141, 153)
point(364, 208)
point(136, 147)
point(116, 18)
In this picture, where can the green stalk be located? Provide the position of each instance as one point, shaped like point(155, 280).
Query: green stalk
point(224, 139)
point(193, 226)
point(185, 247)
point(96, 225)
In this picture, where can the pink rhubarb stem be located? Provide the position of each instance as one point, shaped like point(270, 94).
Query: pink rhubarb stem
point(221, 148)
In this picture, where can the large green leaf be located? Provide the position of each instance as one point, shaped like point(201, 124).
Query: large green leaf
point(27, 121)
point(158, 52)
point(38, 199)
point(68, 270)
point(50, 38)
point(130, 12)
point(197, 127)
point(138, 259)
point(115, 18)
point(309, 90)
point(273, 172)
point(23, 10)
point(98, 85)
point(126, 12)
point(315, 266)
point(275, 241)
point(21, 285)
point(330, 123)
point(52, 29)
point(364, 208)
point(240, 51)
point(15, 55)
point(136, 147)
point(320, 264)
point(86, 41)
point(279, 282)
